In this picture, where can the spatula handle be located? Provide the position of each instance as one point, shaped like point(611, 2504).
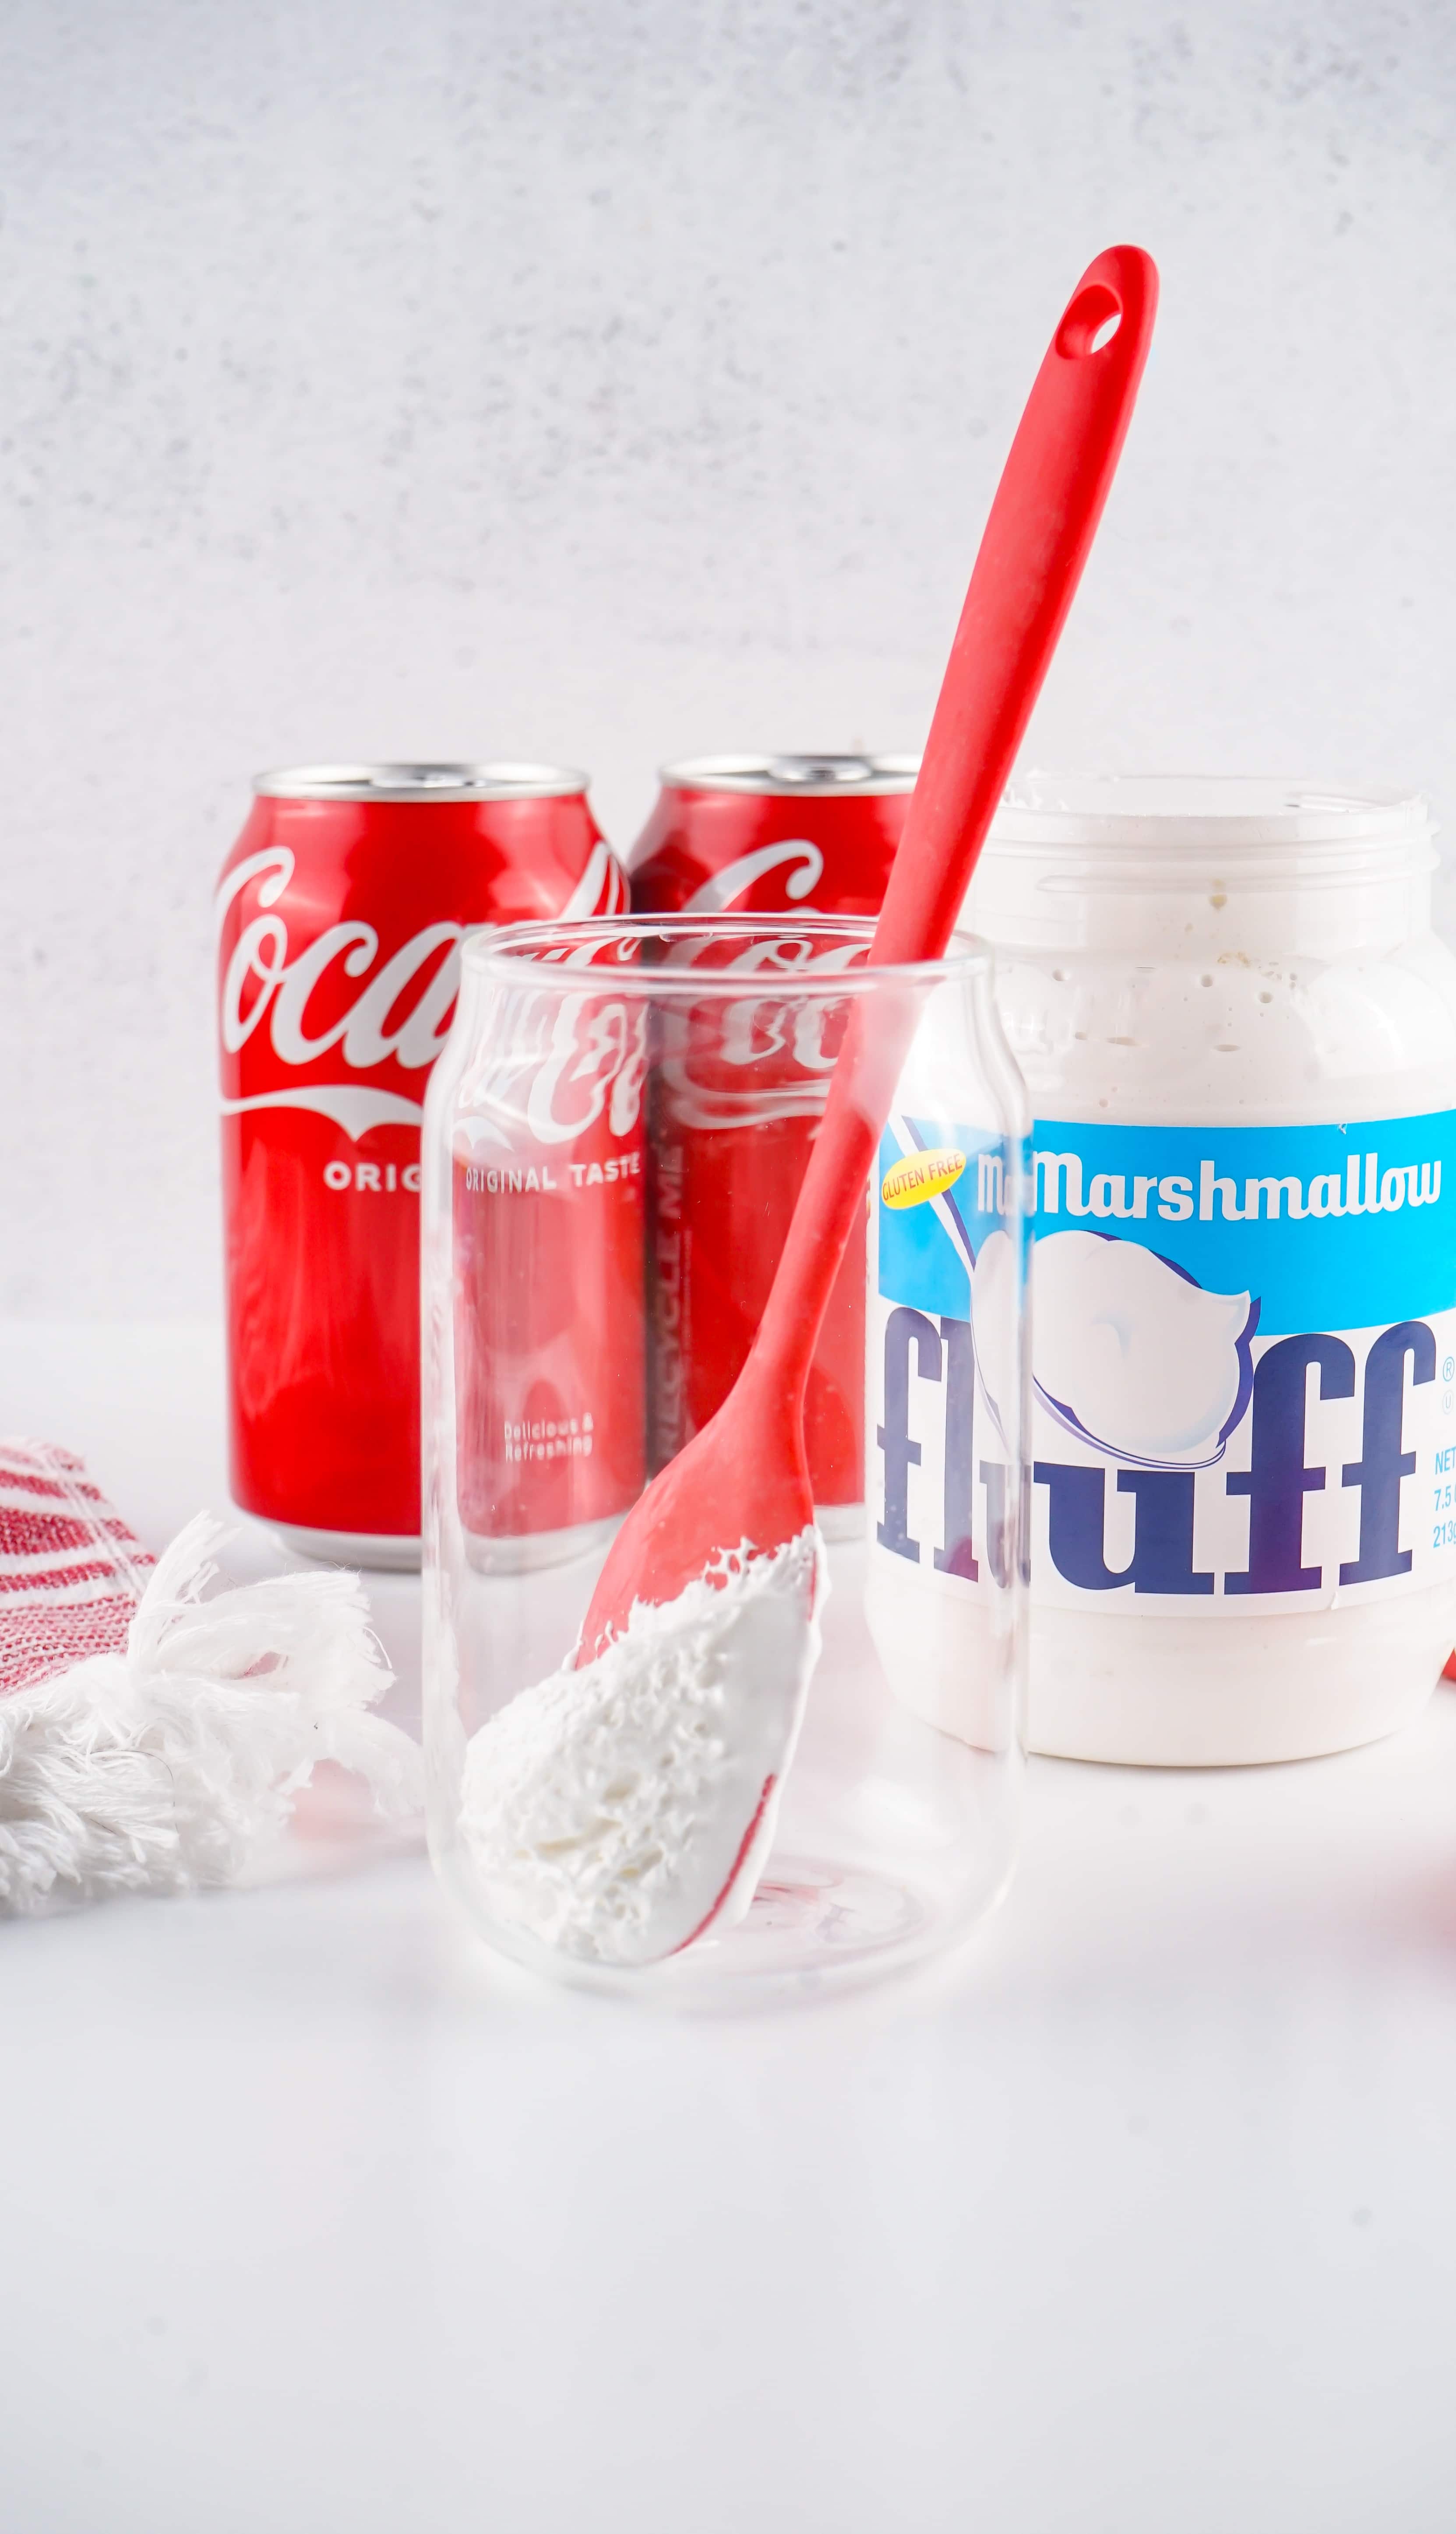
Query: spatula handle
point(1051, 496)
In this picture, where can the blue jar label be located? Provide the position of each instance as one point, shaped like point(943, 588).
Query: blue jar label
point(1244, 1360)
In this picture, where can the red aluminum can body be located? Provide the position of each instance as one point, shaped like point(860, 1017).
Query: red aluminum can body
point(740, 835)
point(339, 914)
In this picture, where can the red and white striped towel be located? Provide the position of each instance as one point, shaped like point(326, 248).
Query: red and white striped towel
point(71, 1573)
point(151, 1740)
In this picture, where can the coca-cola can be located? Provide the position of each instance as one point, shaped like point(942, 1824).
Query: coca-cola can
point(340, 911)
point(748, 836)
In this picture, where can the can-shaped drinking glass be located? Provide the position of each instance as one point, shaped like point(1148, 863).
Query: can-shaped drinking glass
point(795, 1771)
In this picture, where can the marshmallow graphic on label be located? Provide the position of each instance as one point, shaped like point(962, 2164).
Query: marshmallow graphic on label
point(1132, 1355)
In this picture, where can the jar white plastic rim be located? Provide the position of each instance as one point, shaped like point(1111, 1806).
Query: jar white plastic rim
point(1154, 813)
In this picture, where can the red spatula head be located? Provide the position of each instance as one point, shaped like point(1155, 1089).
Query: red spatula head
point(743, 1481)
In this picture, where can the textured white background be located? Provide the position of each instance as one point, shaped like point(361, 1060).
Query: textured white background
point(609, 381)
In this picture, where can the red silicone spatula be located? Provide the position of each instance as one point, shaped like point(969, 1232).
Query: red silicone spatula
point(744, 1477)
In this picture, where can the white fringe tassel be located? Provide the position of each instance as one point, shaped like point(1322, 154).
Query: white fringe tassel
point(172, 1766)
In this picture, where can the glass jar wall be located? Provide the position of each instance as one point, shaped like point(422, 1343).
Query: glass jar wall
point(615, 1136)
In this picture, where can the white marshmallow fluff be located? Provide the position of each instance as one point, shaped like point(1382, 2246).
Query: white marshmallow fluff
point(619, 1812)
point(1238, 1033)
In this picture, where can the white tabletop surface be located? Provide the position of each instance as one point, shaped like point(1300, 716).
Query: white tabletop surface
point(1140, 2214)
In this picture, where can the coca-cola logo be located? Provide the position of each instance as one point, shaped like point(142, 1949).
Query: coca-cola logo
point(552, 1067)
point(552, 1061)
point(785, 1044)
point(802, 863)
point(268, 987)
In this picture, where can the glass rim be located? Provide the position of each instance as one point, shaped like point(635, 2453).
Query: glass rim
point(499, 954)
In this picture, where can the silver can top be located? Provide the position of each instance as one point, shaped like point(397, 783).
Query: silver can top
point(500, 780)
point(819, 777)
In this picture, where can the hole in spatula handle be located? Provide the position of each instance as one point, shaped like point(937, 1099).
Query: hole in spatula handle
point(1091, 321)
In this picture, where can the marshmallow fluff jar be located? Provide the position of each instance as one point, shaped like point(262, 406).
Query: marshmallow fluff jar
point(1238, 1032)
point(734, 1795)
